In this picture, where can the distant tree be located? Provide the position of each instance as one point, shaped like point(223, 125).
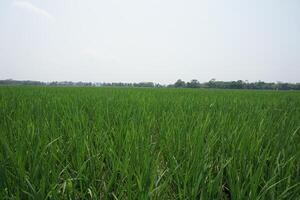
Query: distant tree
point(212, 83)
point(193, 84)
point(179, 83)
point(237, 84)
point(144, 84)
point(158, 85)
point(283, 86)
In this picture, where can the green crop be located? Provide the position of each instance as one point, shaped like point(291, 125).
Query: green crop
point(128, 143)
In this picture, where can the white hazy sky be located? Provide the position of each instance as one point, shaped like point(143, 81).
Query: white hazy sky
point(153, 40)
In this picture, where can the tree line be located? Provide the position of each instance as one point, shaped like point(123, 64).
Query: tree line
point(239, 84)
point(213, 83)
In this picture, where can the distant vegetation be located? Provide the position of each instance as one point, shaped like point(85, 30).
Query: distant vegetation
point(237, 85)
point(178, 84)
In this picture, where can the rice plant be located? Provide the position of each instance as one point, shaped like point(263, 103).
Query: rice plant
point(128, 143)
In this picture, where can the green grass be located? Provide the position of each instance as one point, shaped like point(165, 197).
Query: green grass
point(127, 143)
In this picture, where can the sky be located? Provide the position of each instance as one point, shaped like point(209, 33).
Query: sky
point(154, 40)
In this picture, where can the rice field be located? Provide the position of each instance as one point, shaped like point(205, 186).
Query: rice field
point(129, 143)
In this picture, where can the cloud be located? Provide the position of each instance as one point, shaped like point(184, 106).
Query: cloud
point(34, 9)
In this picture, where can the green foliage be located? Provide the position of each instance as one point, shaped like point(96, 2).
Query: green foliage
point(260, 85)
point(129, 143)
point(179, 83)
